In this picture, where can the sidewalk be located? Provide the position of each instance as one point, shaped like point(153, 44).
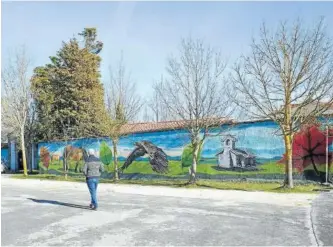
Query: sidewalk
point(322, 218)
point(289, 199)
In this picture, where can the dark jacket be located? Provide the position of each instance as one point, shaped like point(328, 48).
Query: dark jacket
point(93, 167)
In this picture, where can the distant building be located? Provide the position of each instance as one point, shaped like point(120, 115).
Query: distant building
point(318, 109)
point(313, 108)
point(231, 157)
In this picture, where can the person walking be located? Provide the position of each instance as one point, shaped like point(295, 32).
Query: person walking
point(92, 170)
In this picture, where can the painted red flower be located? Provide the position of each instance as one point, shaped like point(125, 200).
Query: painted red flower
point(309, 148)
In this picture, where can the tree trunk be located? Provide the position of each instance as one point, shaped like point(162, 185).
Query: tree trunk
point(65, 166)
point(115, 159)
point(29, 152)
point(193, 168)
point(289, 162)
point(24, 159)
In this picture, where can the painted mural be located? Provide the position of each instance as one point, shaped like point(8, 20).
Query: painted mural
point(244, 151)
point(156, 157)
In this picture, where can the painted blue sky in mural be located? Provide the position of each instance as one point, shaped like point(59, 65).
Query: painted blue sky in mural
point(258, 138)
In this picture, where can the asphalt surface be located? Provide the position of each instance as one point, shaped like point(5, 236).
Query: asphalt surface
point(322, 218)
point(58, 216)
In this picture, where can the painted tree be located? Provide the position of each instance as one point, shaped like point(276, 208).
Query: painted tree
point(68, 93)
point(195, 92)
point(105, 154)
point(123, 105)
point(286, 77)
point(45, 157)
point(16, 100)
point(309, 148)
point(187, 155)
point(72, 153)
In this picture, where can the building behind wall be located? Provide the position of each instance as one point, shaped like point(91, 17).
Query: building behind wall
point(11, 156)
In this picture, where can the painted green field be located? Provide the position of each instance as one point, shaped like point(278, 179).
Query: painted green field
point(175, 169)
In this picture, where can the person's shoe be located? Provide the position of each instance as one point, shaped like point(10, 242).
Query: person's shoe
point(91, 206)
point(94, 208)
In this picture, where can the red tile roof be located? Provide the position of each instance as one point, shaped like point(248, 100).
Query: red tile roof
point(162, 126)
point(133, 128)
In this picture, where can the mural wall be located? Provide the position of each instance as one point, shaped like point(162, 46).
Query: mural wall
point(244, 151)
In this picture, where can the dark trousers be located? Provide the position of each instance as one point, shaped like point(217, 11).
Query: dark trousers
point(92, 186)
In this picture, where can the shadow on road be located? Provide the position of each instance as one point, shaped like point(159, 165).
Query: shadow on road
point(59, 203)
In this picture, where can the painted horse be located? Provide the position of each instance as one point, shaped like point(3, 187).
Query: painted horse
point(74, 154)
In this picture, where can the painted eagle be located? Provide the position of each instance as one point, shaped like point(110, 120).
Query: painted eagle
point(157, 158)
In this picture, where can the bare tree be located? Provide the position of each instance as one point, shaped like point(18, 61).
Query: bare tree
point(16, 101)
point(286, 78)
point(157, 107)
point(123, 105)
point(5, 131)
point(195, 92)
point(30, 132)
point(147, 117)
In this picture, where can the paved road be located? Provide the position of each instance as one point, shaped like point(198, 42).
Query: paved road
point(322, 218)
point(132, 219)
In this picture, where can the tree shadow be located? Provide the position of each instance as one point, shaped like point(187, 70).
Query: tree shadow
point(60, 203)
point(323, 190)
point(281, 187)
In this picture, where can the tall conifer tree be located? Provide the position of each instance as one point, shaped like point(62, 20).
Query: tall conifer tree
point(68, 93)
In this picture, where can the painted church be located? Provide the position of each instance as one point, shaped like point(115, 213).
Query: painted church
point(232, 157)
